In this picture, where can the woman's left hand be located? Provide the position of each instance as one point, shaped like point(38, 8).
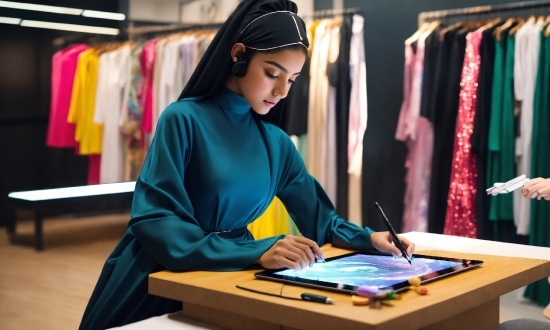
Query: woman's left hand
point(383, 242)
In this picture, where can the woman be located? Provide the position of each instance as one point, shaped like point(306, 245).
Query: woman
point(213, 168)
point(537, 188)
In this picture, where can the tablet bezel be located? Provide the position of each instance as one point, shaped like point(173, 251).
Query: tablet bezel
point(350, 289)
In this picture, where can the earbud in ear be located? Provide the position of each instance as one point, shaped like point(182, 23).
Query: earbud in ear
point(239, 68)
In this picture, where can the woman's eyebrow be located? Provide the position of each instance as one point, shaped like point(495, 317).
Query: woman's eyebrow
point(280, 67)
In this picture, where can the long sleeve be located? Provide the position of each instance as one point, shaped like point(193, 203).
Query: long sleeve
point(310, 207)
point(163, 219)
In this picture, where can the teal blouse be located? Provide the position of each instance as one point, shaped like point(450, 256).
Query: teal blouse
point(212, 167)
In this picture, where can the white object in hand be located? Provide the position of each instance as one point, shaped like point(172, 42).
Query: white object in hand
point(504, 188)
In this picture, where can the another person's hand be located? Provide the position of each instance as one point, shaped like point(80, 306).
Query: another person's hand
point(383, 242)
point(294, 252)
point(537, 188)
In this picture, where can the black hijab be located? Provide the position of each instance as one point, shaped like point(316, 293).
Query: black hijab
point(246, 25)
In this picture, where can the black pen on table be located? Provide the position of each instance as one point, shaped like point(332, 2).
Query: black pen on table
point(316, 298)
point(396, 240)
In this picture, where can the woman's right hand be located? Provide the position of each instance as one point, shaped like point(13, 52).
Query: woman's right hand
point(537, 188)
point(294, 252)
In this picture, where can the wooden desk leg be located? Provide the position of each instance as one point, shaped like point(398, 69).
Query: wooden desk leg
point(38, 242)
point(485, 316)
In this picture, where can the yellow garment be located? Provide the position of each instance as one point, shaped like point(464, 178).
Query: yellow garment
point(81, 113)
point(274, 221)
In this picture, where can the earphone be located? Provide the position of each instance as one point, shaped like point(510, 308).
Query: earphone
point(239, 68)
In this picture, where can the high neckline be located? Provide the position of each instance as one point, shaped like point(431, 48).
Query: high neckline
point(231, 101)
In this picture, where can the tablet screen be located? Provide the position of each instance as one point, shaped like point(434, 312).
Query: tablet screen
point(347, 272)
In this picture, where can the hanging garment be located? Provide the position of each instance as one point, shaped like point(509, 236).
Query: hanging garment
point(61, 133)
point(130, 123)
point(157, 95)
point(501, 160)
point(318, 90)
point(330, 129)
point(480, 134)
point(81, 112)
point(273, 222)
point(358, 116)
point(540, 166)
point(444, 126)
point(419, 135)
point(112, 88)
point(340, 72)
point(460, 219)
point(148, 60)
point(167, 86)
point(525, 76)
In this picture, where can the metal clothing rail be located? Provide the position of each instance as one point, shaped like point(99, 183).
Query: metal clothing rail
point(332, 12)
point(88, 38)
point(155, 29)
point(525, 5)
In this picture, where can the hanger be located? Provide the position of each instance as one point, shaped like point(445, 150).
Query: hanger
point(449, 28)
point(507, 24)
point(521, 22)
point(470, 24)
point(493, 22)
point(417, 34)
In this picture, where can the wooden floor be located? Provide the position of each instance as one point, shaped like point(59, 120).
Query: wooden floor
point(50, 289)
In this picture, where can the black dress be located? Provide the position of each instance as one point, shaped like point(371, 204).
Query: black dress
point(447, 88)
point(480, 136)
point(339, 77)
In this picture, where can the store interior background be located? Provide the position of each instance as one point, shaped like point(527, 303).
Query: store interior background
point(25, 56)
point(25, 72)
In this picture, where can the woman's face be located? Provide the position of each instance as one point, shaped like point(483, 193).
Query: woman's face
point(268, 78)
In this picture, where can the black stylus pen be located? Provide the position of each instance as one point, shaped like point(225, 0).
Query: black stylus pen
point(316, 298)
point(396, 240)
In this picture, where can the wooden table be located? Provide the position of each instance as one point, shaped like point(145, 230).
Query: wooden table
point(469, 300)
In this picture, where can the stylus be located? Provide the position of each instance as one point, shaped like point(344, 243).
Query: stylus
point(396, 240)
point(316, 298)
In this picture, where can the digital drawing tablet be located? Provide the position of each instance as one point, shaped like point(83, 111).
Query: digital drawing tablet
point(347, 272)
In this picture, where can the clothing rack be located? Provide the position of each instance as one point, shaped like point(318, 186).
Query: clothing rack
point(320, 14)
point(88, 38)
point(482, 10)
point(156, 30)
point(149, 31)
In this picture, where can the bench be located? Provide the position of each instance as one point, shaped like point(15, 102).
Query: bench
point(107, 197)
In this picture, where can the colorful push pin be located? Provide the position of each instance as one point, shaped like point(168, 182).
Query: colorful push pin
point(392, 295)
point(359, 300)
point(415, 281)
point(371, 291)
point(368, 291)
point(421, 290)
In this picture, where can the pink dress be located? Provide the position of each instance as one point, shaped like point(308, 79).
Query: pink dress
point(417, 132)
point(148, 72)
point(460, 219)
point(60, 132)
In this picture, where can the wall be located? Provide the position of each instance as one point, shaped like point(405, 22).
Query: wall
point(166, 11)
point(189, 11)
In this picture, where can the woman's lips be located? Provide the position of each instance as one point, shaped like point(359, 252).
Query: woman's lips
point(270, 104)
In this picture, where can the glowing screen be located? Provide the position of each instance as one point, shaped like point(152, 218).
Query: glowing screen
point(375, 270)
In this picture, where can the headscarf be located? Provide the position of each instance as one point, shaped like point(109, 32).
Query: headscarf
point(258, 24)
